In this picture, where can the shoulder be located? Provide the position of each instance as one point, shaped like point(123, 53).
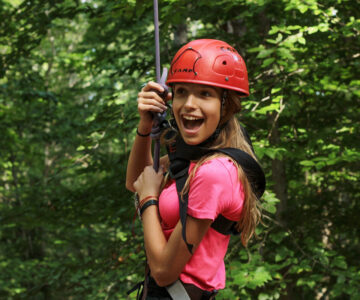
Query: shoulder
point(216, 168)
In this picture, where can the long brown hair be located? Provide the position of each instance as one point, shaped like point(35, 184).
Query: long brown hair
point(231, 135)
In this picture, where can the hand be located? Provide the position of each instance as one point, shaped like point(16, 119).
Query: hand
point(149, 182)
point(150, 101)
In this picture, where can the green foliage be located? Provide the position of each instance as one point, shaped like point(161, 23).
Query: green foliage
point(69, 75)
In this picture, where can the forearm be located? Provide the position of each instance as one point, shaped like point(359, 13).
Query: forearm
point(140, 156)
point(154, 238)
point(162, 256)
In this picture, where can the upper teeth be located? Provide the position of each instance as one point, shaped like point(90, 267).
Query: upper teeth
point(191, 118)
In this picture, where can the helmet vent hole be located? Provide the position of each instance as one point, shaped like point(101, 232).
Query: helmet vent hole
point(224, 62)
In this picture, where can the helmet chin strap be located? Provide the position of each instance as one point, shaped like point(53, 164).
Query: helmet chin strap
point(224, 96)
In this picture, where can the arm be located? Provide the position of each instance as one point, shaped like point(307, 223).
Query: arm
point(140, 155)
point(166, 258)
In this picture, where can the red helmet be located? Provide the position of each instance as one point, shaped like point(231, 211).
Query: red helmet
point(210, 62)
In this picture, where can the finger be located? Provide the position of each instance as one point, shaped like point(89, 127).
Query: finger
point(151, 102)
point(150, 108)
point(151, 95)
point(168, 97)
point(151, 85)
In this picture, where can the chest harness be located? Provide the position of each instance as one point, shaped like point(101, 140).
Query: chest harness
point(181, 154)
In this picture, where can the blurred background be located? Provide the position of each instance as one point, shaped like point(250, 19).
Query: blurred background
point(70, 72)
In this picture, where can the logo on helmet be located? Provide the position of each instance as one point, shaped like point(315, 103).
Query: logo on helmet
point(189, 56)
point(183, 70)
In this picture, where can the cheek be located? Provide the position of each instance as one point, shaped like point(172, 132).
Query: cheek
point(213, 122)
point(214, 113)
point(174, 105)
point(175, 109)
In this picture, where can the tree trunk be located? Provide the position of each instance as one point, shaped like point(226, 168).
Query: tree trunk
point(180, 34)
point(280, 187)
point(278, 171)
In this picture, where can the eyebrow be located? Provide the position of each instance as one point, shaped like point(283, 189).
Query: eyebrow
point(209, 87)
point(217, 91)
point(201, 85)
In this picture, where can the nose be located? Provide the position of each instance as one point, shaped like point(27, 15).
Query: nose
point(190, 102)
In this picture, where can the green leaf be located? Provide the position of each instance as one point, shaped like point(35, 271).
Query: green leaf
point(312, 29)
point(285, 53)
point(339, 261)
point(260, 277)
point(307, 163)
point(279, 236)
point(265, 53)
point(267, 62)
point(274, 29)
point(275, 90)
point(269, 207)
point(302, 40)
point(302, 8)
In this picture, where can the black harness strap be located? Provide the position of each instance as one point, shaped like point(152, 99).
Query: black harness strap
point(252, 169)
point(224, 225)
point(183, 204)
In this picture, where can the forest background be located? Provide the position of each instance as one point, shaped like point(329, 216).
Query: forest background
point(70, 72)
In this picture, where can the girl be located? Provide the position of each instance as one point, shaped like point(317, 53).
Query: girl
point(204, 187)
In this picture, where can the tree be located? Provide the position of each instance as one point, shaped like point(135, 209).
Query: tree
point(70, 73)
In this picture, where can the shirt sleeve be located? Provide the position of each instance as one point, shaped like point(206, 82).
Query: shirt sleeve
point(211, 190)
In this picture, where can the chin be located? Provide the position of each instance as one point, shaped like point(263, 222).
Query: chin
point(193, 140)
point(192, 143)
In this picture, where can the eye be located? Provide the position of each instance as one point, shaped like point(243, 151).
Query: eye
point(179, 91)
point(205, 93)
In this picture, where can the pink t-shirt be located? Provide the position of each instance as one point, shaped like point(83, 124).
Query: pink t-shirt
point(214, 190)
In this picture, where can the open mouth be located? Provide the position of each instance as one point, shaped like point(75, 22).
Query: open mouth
point(191, 122)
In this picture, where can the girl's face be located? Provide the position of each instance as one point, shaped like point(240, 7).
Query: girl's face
point(196, 110)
